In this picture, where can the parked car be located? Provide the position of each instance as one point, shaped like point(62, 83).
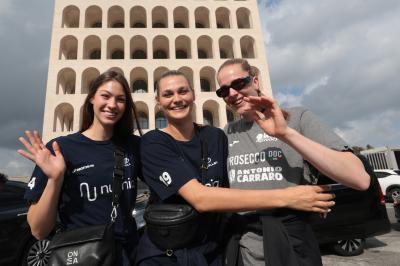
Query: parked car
point(356, 216)
point(17, 245)
point(390, 182)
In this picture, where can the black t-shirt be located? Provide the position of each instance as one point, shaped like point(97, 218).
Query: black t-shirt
point(168, 164)
point(86, 193)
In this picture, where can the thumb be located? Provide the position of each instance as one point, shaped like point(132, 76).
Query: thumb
point(56, 149)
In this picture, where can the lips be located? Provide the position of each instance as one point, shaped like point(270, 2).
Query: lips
point(177, 108)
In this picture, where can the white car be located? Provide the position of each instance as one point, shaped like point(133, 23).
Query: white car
point(389, 181)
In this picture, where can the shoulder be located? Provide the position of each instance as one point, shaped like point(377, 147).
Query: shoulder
point(237, 126)
point(64, 141)
point(152, 135)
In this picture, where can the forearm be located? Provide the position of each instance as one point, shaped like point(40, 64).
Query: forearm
point(210, 199)
point(344, 167)
point(43, 214)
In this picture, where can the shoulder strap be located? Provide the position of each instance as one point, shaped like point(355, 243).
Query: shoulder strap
point(117, 179)
point(204, 152)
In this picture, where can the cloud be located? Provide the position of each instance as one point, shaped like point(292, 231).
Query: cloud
point(343, 57)
point(13, 164)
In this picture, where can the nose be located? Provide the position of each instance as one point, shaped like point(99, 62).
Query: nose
point(232, 92)
point(176, 98)
point(112, 103)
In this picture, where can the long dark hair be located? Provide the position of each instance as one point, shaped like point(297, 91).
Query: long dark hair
point(253, 72)
point(125, 126)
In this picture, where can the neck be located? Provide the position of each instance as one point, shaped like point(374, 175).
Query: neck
point(98, 132)
point(180, 131)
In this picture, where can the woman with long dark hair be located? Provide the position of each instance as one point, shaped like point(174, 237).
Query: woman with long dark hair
point(73, 176)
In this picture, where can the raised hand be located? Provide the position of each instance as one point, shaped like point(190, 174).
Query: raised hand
point(52, 165)
point(268, 115)
point(310, 198)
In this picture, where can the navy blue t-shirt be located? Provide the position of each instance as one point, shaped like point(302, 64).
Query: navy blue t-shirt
point(86, 193)
point(168, 164)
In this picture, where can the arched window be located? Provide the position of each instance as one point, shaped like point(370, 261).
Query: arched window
point(139, 54)
point(160, 47)
point(208, 118)
point(161, 121)
point(139, 86)
point(70, 17)
point(205, 85)
point(93, 17)
point(117, 54)
point(181, 17)
point(116, 17)
point(159, 17)
point(223, 18)
point(138, 17)
point(143, 120)
point(202, 17)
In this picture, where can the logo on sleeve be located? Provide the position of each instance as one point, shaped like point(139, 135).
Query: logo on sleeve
point(127, 163)
point(166, 179)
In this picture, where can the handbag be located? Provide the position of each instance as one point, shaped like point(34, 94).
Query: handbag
point(175, 226)
point(91, 245)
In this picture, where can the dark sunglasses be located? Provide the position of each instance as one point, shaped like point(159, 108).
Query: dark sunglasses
point(236, 84)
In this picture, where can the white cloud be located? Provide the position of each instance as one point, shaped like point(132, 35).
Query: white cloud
point(13, 164)
point(345, 57)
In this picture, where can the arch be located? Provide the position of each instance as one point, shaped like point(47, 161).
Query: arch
point(202, 17)
point(226, 47)
point(188, 72)
point(116, 17)
point(66, 80)
point(92, 47)
point(243, 18)
point(88, 76)
point(160, 120)
point(63, 118)
point(160, 47)
point(230, 115)
point(182, 47)
point(181, 17)
point(159, 17)
point(210, 112)
point(70, 17)
point(93, 17)
point(138, 47)
point(223, 18)
point(204, 47)
point(157, 74)
point(142, 114)
point(138, 17)
point(207, 79)
point(68, 48)
point(117, 69)
point(247, 47)
point(139, 80)
point(115, 47)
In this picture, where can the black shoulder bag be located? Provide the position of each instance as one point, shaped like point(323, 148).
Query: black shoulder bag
point(91, 245)
point(176, 226)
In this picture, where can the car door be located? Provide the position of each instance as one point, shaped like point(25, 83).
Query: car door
point(14, 230)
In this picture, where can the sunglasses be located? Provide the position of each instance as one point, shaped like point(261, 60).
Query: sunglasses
point(236, 84)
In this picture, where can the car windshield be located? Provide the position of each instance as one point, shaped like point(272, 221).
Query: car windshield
point(397, 172)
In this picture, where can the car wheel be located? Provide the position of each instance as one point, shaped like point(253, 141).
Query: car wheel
point(37, 253)
point(349, 247)
point(394, 193)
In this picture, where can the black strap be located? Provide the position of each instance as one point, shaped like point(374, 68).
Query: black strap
point(204, 153)
point(118, 176)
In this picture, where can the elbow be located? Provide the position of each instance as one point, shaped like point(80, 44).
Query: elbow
point(365, 181)
point(39, 234)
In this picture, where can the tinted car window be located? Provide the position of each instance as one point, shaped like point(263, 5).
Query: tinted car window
point(381, 174)
point(397, 172)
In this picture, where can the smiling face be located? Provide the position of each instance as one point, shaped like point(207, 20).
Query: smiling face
point(234, 99)
point(109, 104)
point(175, 98)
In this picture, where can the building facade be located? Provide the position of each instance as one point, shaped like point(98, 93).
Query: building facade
point(142, 39)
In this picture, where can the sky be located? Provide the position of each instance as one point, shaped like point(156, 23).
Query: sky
point(340, 59)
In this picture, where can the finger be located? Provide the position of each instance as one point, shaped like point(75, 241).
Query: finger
point(320, 210)
point(326, 196)
point(321, 188)
point(56, 149)
point(27, 145)
point(324, 204)
point(27, 155)
point(38, 138)
point(32, 140)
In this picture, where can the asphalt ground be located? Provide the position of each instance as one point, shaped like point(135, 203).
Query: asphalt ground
point(382, 250)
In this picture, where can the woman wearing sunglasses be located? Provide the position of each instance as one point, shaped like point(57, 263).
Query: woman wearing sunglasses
point(171, 159)
point(280, 145)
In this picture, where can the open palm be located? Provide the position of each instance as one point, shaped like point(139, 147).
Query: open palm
point(52, 165)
